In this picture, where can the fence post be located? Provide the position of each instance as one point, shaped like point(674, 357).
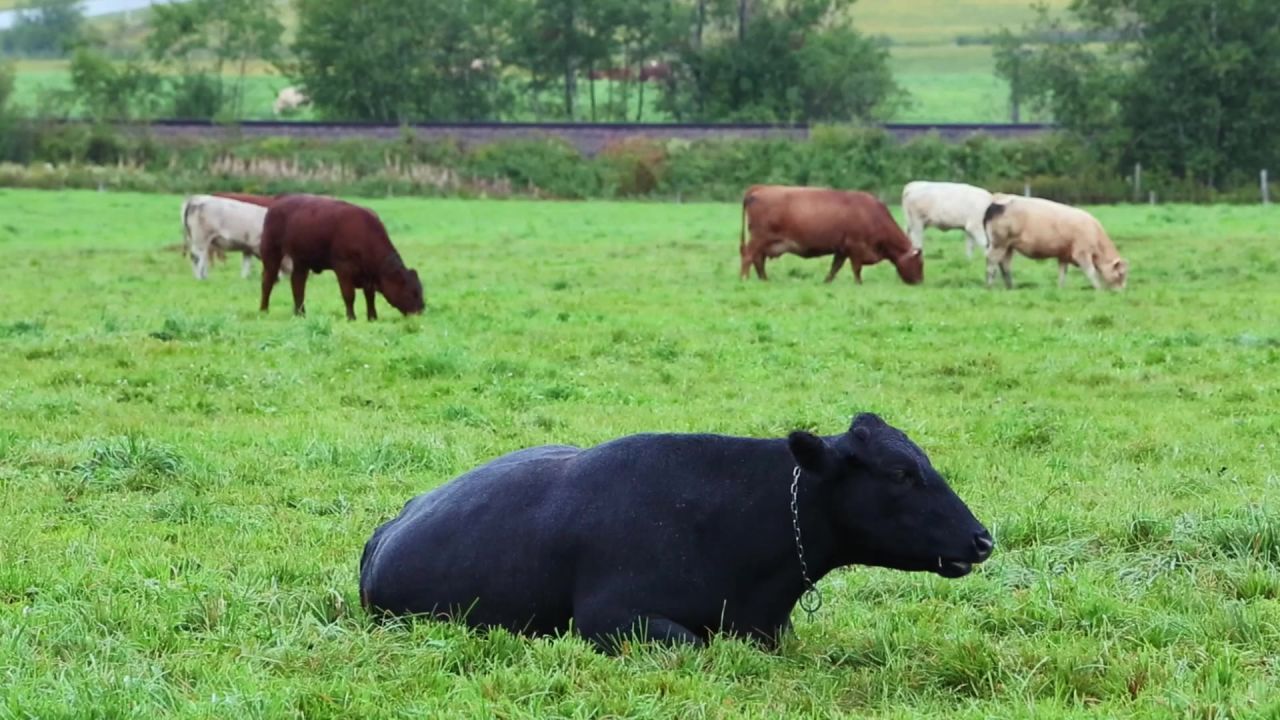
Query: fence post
point(1026, 189)
point(1137, 181)
point(1266, 190)
point(1153, 197)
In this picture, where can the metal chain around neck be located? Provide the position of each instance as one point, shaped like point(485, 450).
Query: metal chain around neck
point(811, 598)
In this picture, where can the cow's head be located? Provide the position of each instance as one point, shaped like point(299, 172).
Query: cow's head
point(402, 288)
point(910, 266)
point(1115, 272)
point(888, 505)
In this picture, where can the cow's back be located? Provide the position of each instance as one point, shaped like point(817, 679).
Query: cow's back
point(1042, 229)
point(317, 231)
point(501, 532)
point(945, 204)
point(814, 218)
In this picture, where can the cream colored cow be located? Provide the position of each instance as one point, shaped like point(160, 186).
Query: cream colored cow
point(218, 225)
point(1042, 229)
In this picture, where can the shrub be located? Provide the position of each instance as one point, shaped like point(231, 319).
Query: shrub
point(716, 169)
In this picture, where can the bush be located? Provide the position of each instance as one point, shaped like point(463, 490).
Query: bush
point(854, 158)
point(541, 166)
point(633, 167)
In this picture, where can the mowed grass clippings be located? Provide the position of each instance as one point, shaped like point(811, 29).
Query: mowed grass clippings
point(186, 485)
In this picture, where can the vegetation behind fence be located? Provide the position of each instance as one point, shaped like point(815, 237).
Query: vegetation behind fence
point(1054, 166)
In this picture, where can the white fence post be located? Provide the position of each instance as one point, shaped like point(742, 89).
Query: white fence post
point(1266, 190)
point(1153, 197)
point(1026, 189)
point(1137, 181)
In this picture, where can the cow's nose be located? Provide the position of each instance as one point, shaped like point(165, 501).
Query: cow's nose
point(984, 544)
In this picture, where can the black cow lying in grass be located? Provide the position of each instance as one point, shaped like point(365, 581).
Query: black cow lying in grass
point(667, 537)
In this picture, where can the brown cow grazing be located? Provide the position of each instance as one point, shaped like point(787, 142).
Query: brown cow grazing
point(812, 222)
point(320, 234)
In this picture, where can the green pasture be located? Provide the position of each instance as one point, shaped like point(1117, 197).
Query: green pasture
point(940, 22)
point(947, 84)
point(186, 484)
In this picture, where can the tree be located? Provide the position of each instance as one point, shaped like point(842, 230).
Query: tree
point(1183, 86)
point(558, 39)
point(112, 91)
point(788, 62)
point(223, 32)
point(44, 28)
point(402, 60)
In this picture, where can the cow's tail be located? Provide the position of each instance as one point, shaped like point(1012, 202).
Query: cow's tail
point(742, 233)
point(994, 210)
point(187, 208)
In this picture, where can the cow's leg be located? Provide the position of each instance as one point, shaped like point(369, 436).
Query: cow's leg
point(608, 632)
point(1092, 273)
point(1062, 273)
point(198, 260)
point(759, 263)
point(1005, 270)
point(971, 239)
point(857, 271)
point(299, 281)
point(998, 258)
point(915, 230)
point(348, 288)
point(246, 265)
point(836, 263)
point(369, 294)
point(979, 233)
point(270, 274)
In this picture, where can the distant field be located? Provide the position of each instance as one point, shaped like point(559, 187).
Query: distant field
point(934, 22)
point(185, 485)
point(948, 82)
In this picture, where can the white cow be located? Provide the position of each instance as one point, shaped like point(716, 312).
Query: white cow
point(1042, 229)
point(289, 99)
point(216, 225)
point(946, 206)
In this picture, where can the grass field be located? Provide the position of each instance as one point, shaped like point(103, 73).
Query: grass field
point(186, 485)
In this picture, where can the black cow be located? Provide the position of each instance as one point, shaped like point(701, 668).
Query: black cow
point(667, 537)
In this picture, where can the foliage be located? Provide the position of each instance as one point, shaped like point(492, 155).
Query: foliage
point(398, 60)
point(798, 62)
point(107, 90)
point(232, 32)
point(6, 86)
point(187, 484)
point(44, 28)
point(1056, 166)
point(1176, 87)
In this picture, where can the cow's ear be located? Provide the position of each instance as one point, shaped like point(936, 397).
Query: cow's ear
point(862, 434)
point(810, 451)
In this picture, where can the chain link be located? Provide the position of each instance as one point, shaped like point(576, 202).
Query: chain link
point(811, 599)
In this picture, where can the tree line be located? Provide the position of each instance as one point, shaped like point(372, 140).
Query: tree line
point(705, 60)
point(440, 60)
point(1186, 88)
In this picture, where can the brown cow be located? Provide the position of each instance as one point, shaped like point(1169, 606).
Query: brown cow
point(320, 234)
point(812, 222)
